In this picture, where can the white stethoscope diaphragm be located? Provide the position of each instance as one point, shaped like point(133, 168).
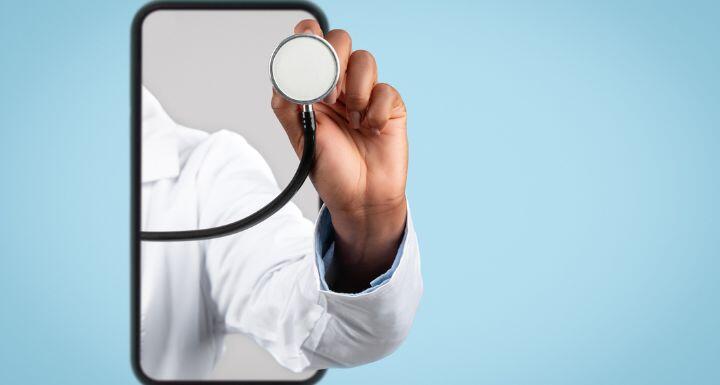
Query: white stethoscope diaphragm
point(304, 68)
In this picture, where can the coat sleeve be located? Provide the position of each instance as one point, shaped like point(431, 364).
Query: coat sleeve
point(264, 282)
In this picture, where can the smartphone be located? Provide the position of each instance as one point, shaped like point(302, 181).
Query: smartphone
point(206, 148)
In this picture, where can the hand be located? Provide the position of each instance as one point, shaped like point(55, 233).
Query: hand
point(360, 164)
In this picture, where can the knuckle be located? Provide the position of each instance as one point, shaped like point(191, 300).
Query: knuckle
point(387, 89)
point(363, 56)
point(355, 99)
point(384, 88)
point(375, 119)
point(340, 34)
point(305, 24)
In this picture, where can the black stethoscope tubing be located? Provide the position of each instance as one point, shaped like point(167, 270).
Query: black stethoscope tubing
point(307, 116)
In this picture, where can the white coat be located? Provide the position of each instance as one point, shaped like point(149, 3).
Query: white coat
point(262, 282)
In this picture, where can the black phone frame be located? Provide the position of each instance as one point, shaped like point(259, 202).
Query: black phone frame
point(135, 162)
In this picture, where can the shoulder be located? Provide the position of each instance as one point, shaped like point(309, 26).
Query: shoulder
point(221, 151)
point(191, 151)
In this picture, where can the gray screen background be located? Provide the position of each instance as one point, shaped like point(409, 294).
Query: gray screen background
point(209, 70)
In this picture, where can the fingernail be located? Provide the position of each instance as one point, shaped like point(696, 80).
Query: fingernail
point(308, 31)
point(355, 120)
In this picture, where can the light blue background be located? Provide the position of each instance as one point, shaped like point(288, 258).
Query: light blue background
point(564, 182)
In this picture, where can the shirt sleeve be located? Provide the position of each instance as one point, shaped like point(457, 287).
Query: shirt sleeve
point(359, 328)
point(265, 282)
point(325, 253)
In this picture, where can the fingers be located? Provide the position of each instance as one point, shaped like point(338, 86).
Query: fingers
point(367, 105)
point(383, 100)
point(360, 78)
point(341, 42)
point(309, 26)
point(287, 114)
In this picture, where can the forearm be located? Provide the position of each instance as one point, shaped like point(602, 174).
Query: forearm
point(366, 243)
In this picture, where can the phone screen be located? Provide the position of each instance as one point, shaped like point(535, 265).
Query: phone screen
point(210, 150)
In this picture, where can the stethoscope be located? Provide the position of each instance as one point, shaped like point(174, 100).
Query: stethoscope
point(304, 69)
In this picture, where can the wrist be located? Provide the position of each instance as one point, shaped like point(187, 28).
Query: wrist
point(366, 242)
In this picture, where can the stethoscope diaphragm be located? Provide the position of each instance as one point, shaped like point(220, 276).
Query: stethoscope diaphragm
point(304, 68)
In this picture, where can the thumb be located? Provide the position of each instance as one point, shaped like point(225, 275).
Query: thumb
point(287, 114)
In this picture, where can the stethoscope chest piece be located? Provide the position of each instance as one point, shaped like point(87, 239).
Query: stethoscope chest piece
point(304, 68)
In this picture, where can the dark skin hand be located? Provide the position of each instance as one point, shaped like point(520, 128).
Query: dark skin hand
point(360, 162)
